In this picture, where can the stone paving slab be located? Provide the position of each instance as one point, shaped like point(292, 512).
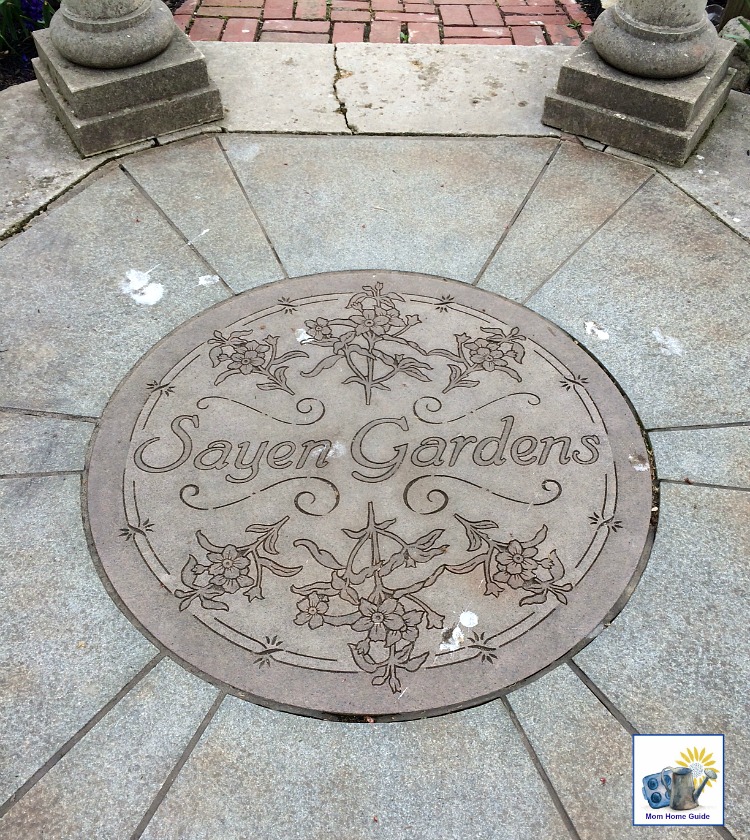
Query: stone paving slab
point(210, 209)
point(422, 89)
point(588, 757)
point(330, 204)
point(103, 786)
point(41, 444)
point(293, 778)
point(559, 217)
point(43, 162)
point(717, 174)
point(66, 648)
point(655, 295)
point(276, 87)
point(91, 319)
point(693, 595)
point(704, 456)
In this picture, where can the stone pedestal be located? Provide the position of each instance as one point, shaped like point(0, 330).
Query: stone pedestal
point(120, 71)
point(650, 79)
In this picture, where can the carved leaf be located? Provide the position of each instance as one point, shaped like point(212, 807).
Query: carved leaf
point(366, 664)
point(325, 558)
point(322, 365)
point(188, 574)
point(538, 598)
point(206, 544)
point(222, 376)
point(212, 603)
point(416, 663)
point(214, 354)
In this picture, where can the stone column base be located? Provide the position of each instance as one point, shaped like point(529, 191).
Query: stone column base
point(106, 109)
point(662, 119)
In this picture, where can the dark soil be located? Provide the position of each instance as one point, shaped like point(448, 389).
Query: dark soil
point(593, 8)
point(15, 69)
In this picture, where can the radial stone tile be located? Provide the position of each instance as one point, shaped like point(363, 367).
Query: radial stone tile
point(41, 444)
point(102, 788)
point(194, 185)
point(660, 296)
point(122, 278)
point(66, 650)
point(559, 217)
point(465, 775)
point(410, 204)
point(229, 470)
point(588, 757)
point(706, 456)
point(676, 658)
point(43, 163)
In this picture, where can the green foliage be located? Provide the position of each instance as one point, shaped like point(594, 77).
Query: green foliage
point(740, 38)
point(18, 19)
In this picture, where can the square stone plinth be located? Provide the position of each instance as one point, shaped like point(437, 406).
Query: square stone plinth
point(106, 109)
point(663, 119)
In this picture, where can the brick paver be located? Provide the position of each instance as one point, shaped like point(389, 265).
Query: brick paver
point(496, 22)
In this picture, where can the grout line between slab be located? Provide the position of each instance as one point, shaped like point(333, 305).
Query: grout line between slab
point(41, 474)
point(658, 166)
point(546, 781)
point(187, 242)
point(585, 242)
point(699, 427)
point(21, 224)
point(175, 771)
point(53, 415)
point(82, 732)
point(521, 207)
point(602, 698)
point(690, 483)
point(252, 208)
point(722, 831)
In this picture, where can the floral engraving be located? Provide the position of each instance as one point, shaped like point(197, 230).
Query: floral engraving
point(360, 341)
point(386, 618)
point(229, 569)
point(356, 593)
point(245, 356)
point(498, 351)
point(516, 564)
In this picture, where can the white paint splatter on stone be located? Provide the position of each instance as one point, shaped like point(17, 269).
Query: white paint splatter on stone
point(302, 336)
point(338, 450)
point(140, 288)
point(455, 641)
point(208, 279)
point(468, 619)
point(668, 345)
point(592, 328)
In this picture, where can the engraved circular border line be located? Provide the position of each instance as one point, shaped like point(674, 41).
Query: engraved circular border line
point(154, 609)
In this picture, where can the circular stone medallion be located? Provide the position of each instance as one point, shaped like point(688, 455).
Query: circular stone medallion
point(369, 494)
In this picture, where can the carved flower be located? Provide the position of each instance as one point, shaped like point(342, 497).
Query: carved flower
point(387, 622)
point(370, 322)
point(319, 328)
point(517, 564)
point(486, 355)
point(228, 569)
point(249, 358)
point(311, 610)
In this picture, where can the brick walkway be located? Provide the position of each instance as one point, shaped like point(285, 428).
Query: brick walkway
point(526, 22)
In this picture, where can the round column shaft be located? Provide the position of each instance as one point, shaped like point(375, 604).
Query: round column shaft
point(657, 39)
point(110, 34)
